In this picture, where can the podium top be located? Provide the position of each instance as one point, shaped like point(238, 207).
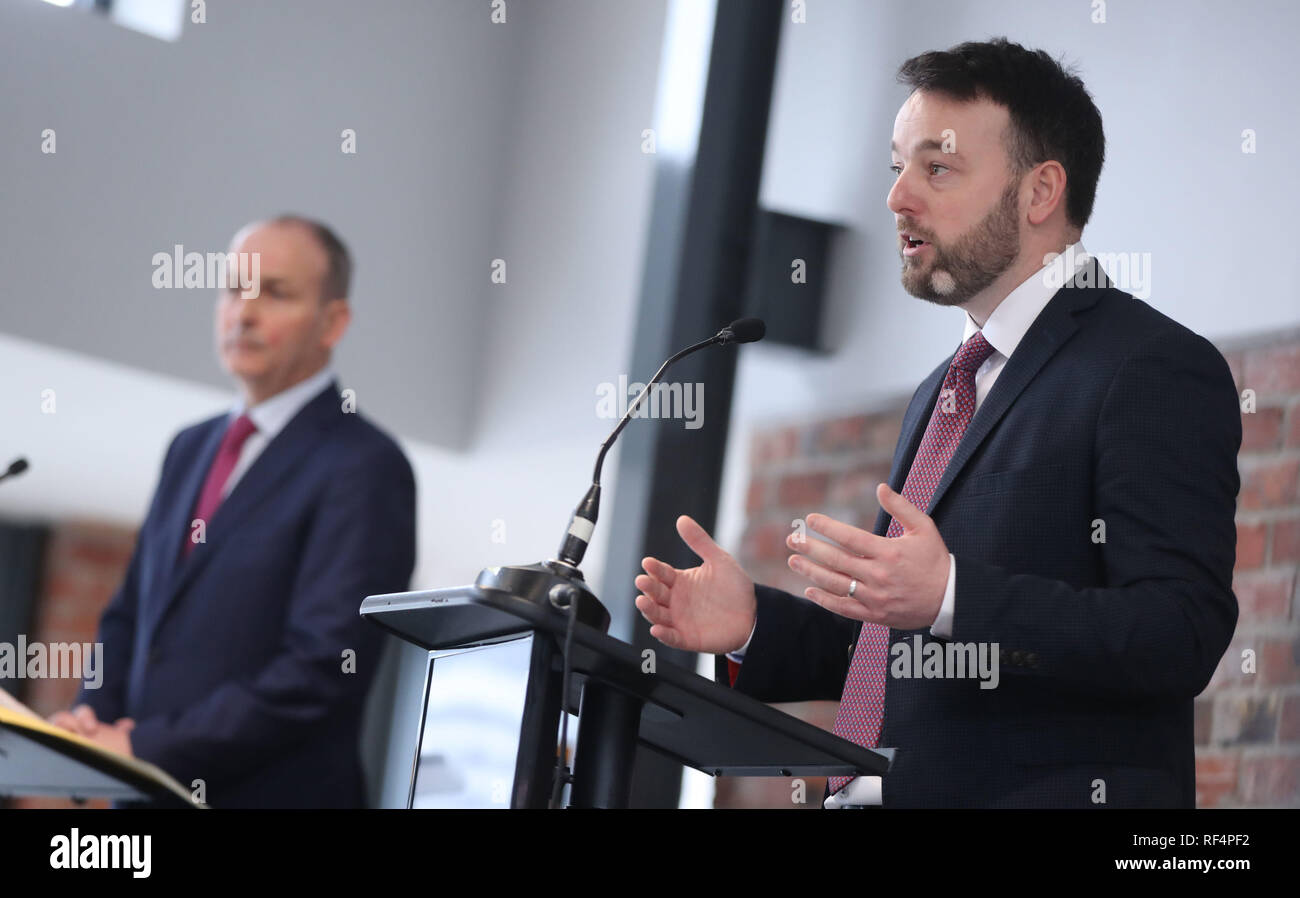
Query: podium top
point(689, 718)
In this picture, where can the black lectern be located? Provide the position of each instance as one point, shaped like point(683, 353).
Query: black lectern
point(622, 697)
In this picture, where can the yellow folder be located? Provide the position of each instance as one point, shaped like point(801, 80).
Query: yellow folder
point(38, 758)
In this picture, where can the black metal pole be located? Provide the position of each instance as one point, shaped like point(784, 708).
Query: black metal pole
point(684, 467)
point(607, 732)
point(538, 732)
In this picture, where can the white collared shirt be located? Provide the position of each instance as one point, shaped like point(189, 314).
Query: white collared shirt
point(270, 416)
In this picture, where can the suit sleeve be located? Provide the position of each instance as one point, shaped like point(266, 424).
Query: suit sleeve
point(117, 630)
point(799, 651)
point(361, 542)
point(1165, 486)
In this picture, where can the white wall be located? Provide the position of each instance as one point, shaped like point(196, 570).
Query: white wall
point(1176, 83)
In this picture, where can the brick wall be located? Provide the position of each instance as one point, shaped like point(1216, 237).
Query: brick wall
point(1247, 722)
point(833, 466)
point(84, 564)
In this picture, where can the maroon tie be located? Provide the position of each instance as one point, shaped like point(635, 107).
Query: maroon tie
point(862, 706)
point(210, 496)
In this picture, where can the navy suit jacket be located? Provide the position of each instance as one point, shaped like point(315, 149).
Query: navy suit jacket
point(1107, 411)
point(234, 662)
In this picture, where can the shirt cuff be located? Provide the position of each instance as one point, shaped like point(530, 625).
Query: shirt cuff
point(739, 654)
point(859, 792)
point(942, 626)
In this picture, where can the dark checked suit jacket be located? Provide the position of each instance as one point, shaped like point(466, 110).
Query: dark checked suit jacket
point(231, 662)
point(1106, 411)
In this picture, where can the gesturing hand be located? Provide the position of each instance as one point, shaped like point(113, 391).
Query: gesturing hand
point(709, 608)
point(900, 580)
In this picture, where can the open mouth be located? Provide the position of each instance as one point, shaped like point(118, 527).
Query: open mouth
point(911, 245)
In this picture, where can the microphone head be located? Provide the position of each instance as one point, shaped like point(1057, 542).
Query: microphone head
point(17, 466)
point(745, 330)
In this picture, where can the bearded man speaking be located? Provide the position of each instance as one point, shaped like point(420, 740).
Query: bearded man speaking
point(1061, 499)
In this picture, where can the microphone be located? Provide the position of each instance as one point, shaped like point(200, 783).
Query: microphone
point(746, 330)
point(583, 521)
point(16, 467)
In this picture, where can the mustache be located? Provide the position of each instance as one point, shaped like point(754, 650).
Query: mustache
point(905, 228)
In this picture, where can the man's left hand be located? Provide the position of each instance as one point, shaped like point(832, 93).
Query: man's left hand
point(900, 580)
point(116, 737)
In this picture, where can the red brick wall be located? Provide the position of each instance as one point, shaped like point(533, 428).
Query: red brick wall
point(84, 564)
point(1247, 723)
point(831, 465)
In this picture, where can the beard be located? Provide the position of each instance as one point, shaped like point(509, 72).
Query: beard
point(955, 272)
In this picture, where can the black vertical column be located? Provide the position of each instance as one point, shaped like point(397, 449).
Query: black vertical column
point(669, 470)
point(22, 554)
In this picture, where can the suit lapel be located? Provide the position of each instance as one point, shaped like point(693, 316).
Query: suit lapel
point(259, 482)
point(1053, 326)
point(176, 524)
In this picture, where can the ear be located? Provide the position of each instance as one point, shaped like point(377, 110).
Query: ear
point(338, 315)
point(1047, 191)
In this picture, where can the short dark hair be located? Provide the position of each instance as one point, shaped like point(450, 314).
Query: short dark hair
point(1052, 114)
point(338, 275)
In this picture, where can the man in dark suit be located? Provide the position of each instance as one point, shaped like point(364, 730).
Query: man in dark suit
point(234, 655)
point(1061, 501)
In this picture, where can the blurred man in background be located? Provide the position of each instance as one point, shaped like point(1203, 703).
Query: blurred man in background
point(234, 655)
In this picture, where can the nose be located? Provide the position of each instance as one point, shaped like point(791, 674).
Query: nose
point(902, 200)
point(247, 309)
point(236, 313)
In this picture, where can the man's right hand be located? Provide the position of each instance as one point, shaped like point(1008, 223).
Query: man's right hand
point(710, 608)
point(80, 720)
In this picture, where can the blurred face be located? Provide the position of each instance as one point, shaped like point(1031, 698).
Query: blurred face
point(284, 334)
point(955, 193)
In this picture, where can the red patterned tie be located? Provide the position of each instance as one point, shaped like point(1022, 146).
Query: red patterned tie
point(862, 706)
point(210, 496)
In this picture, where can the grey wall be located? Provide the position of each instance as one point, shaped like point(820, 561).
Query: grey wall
point(576, 191)
point(575, 204)
point(162, 143)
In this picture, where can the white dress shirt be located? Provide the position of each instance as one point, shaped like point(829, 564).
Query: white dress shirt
point(270, 416)
point(1003, 330)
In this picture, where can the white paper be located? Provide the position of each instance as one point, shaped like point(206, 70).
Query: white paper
point(8, 701)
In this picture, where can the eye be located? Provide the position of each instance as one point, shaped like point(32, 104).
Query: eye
point(896, 168)
point(934, 165)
